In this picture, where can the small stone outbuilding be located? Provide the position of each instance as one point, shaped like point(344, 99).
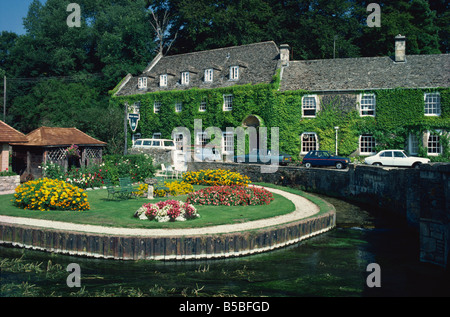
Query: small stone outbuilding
point(50, 144)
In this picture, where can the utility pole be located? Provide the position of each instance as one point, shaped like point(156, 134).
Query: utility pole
point(4, 98)
point(125, 128)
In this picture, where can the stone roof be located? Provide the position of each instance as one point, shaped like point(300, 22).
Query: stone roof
point(365, 73)
point(49, 136)
point(9, 135)
point(257, 64)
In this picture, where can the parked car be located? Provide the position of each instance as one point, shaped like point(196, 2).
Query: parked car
point(395, 158)
point(324, 158)
point(258, 157)
point(165, 144)
point(207, 154)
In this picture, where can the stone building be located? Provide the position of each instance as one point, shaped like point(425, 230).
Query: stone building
point(382, 102)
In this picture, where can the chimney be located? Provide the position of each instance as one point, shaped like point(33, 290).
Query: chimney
point(400, 48)
point(284, 54)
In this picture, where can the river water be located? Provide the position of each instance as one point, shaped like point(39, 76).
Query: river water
point(332, 264)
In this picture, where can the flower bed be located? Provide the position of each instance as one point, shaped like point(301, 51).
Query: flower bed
point(216, 178)
point(50, 194)
point(230, 196)
point(175, 188)
point(169, 210)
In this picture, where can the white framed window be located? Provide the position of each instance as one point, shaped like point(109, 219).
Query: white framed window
point(202, 138)
point(179, 141)
point(413, 144)
point(209, 75)
point(234, 72)
point(309, 142)
point(156, 106)
point(178, 106)
point(309, 106)
point(227, 102)
point(163, 80)
point(142, 82)
point(367, 144)
point(367, 104)
point(185, 78)
point(157, 135)
point(432, 104)
point(228, 143)
point(202, 107)
point(434, 143)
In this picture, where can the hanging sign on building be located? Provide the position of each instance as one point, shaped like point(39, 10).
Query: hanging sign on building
point(133, 119)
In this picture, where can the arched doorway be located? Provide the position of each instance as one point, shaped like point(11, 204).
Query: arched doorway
point(253, 121)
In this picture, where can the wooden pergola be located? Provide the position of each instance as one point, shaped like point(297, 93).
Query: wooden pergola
point(8, 135)
point(49, 144)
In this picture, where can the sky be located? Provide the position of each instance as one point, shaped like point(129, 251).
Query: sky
point(12, 13)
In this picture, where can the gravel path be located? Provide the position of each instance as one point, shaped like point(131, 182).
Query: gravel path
point(303, 208)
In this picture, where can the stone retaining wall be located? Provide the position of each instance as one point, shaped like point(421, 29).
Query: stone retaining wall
point(165, 248)
point(420, 196)
point(8, 184)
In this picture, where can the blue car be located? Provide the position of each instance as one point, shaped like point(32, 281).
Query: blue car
point(324, 158)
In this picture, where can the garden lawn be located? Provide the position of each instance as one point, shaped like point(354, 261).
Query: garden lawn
point(119, 213)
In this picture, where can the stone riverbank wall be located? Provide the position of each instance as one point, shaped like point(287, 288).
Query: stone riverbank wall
point(420, 196)
point(126, 247)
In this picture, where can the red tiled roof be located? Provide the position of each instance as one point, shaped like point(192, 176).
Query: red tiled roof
point(8, 134)
point(48, 136)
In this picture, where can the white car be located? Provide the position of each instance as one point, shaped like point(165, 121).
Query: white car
point(395, 158)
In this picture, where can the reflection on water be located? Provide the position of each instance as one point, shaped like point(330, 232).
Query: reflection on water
point(332, 264)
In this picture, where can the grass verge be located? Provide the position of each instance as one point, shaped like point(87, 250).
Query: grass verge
point(119, 213)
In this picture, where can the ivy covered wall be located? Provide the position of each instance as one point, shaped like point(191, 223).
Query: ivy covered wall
point(399, 112)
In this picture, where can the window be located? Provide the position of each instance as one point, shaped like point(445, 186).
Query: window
point(386, 154)
point(234, 72)
point(142, 82)
point(366, 144)
point(202, 107)
point(228, 143)
point(367, 104)
point(309, 142)
point(413, 144)
point(309, 106)
point(156, 106)
point(178, 106)
point(434, 146)
point(179, 141)
point(432, 104)
point(202, 139)
point(227, 102)
point(185, 78)
point(209, 73)
point(163, 80)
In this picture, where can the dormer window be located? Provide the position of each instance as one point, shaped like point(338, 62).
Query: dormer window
point(185, 78)
point(142, 82)
point(234, 72)
point(209, 75)
point(163, 80)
